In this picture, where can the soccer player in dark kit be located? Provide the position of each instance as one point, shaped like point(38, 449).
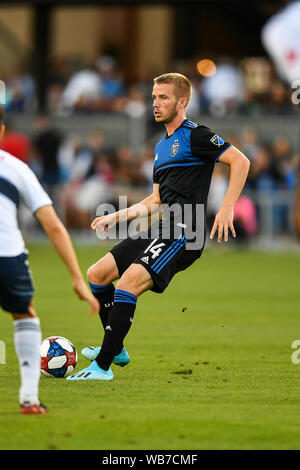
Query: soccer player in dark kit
point(183, 164)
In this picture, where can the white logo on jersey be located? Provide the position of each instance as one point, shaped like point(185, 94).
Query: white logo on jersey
point(217, 140)
point(175, 148)
point(145, 259)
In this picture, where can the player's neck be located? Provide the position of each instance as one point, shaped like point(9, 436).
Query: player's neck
point(173, 125)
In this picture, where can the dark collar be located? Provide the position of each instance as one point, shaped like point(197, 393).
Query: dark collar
point(168, 136)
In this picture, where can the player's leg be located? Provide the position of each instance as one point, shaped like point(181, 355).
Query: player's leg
point(131, 285)
point(164, 258)
point(27, 340)
point(16, 292)
point(101, 276)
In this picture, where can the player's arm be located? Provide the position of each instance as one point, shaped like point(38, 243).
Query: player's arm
point(239, 167)
point(149, 205)
point(62, 243)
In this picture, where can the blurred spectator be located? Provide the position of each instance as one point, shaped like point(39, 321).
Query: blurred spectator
point(234, 139)
point(249, 87)
point(99, 88)
point(260, 176)
point(249, 142)
point(95, 190)
point(78, 157)
point(89, 178)
point(135, 102)
point(224, 91)
point(46, 145)
point(56, 83)
point(90, 173)
point(145, 84)
point(194, 107)
point(281, 164)
point(112, 83)
point(128, 168)
point(66, 156)
point(16, 143)
point(257, 72)
point(20, 91)
point(245, 219)
point(83, 88)
point(218, 188)
point(281, 168)
point(278, 99)
point(273, 169)
point(147, 166)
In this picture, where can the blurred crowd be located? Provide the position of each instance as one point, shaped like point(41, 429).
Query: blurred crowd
point(80, 173)
point(250, 86)
point(274, 176)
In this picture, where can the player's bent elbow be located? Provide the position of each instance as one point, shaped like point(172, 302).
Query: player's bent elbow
point(246, 163)
point(242, 163)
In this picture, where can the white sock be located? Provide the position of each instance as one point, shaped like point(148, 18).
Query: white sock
point(27, 338)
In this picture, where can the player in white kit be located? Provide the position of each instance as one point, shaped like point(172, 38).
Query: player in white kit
point(18, 182)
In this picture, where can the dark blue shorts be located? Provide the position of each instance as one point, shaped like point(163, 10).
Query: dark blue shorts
point(16, 286)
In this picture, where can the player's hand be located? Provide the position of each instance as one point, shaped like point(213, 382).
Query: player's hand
point(223, 222)
point(104, 223)
point(84, 293)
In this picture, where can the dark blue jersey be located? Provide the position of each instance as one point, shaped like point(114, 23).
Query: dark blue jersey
point(184, 162)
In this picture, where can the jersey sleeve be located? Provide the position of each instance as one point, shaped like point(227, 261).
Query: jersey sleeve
point(31, 191)
point(155, 177)
point(206, 144)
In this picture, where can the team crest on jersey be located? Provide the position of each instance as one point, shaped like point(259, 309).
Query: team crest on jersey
point(174, 148)
point(217, 140)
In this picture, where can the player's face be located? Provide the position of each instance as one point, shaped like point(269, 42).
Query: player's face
point(165, 102)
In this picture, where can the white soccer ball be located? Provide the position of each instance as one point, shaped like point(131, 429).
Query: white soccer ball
point(58, 357)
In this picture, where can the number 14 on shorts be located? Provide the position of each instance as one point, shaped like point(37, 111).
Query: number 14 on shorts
point(154, 249)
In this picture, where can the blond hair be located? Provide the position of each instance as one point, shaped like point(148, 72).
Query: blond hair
point(183, 88)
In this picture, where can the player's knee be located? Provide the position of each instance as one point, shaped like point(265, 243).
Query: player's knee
point(90, 273)
point(97, 274)
point(93, 275)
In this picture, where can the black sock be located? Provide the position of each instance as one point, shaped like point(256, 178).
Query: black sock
point(118, 325)
point(105, 295)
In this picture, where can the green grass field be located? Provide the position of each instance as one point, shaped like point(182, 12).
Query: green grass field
point(216, 376)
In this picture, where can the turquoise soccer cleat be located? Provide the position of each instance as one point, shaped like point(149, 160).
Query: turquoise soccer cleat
point(93, 372)
point(92, 352)
point(122, 359)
